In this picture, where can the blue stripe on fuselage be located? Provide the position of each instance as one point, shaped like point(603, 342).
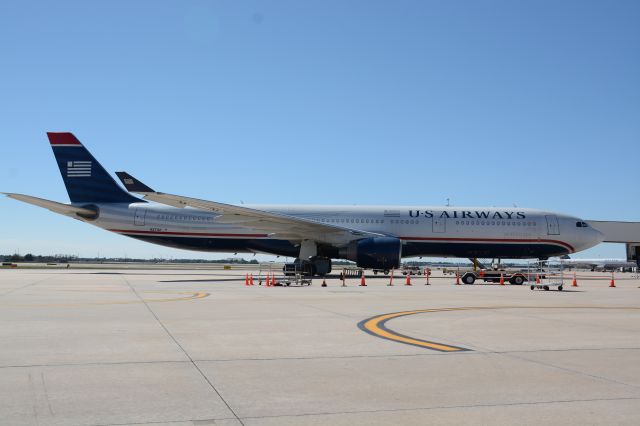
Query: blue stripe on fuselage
point(409, 249)
point(228, 245)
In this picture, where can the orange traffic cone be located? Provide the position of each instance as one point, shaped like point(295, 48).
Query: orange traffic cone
point(408, 279)
point(391, 278)
point(246, 280)
point(362, 281)
point(574, 283)
point(613, 283)
point(250, 279)
point(457, 278)
point(537, 279)
point(501, 278)
point(268, 279)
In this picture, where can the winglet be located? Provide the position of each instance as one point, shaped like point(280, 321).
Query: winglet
point(132, 184)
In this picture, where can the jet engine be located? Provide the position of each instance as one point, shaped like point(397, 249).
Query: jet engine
point(374, 253)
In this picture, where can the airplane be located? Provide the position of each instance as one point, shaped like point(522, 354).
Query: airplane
point(374, 237)
point(600, 264)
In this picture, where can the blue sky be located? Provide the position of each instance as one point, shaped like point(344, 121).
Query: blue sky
point(490, 103)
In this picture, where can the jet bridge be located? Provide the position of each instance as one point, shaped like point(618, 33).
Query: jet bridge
point(621, 232)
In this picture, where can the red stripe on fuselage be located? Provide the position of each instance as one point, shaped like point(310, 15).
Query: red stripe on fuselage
point(185, 234)
point(490, 240)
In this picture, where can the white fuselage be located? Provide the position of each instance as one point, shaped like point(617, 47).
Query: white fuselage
point(424, 231)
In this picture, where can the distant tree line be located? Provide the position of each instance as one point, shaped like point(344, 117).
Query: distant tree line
point(66, 258)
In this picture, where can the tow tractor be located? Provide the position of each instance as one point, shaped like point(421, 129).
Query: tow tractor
point(493, 276)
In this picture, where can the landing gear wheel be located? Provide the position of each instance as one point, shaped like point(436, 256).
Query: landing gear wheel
point(546, 288)
point(532, 287)
point(559, 288)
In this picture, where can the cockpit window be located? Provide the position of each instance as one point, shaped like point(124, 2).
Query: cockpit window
point(582, 224)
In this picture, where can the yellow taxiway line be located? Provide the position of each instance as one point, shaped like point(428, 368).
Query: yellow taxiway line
point(376, 326)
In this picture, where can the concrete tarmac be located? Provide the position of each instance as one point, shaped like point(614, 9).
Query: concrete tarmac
point(194, 347)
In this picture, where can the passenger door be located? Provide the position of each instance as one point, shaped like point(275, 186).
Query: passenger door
point(139, 216)
point(553, 228)
point(439, 225)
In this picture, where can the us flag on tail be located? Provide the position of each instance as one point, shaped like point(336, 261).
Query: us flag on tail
point(78, 168)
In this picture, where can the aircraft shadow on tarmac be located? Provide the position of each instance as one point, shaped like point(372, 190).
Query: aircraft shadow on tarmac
point(236, 277)
point(203, 280)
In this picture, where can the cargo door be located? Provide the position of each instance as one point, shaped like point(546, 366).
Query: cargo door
point(139, 216)
point(553, 228)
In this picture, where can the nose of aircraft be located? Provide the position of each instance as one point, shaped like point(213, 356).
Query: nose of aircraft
point(588, 238)
point(594, 238)
point(598, 236)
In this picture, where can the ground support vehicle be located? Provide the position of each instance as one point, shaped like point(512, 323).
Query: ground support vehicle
point(411, 270)
point(517, 277)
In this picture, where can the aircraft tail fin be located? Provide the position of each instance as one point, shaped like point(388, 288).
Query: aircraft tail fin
point(86, 180)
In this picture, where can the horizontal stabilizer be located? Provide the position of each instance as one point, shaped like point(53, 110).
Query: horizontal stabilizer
point(54, 206)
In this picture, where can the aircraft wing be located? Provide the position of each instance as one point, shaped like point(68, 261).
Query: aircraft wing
point(277, 224)
point(65, 209)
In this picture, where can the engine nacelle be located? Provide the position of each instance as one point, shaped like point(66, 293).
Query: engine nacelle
point(376, 252)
